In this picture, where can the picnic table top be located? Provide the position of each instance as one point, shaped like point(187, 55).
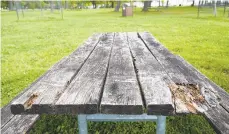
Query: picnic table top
point(121, 73)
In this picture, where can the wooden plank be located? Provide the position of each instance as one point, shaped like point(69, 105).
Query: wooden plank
point(19, 124)
point(219, 119)
point(176, 76)
point(121, 91)
point(151, 74)
point(224, 96)
point(205, 90)
point(208, 92)
point(84, 92)
point(6, 115)
point(52, 85)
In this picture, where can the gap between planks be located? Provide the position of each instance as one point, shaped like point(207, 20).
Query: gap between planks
point(137, 77)
point(104, 81)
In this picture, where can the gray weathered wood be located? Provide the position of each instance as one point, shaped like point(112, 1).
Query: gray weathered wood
point(10, 122)
point(157, 94)
point(19, 124)
point(209, 93)
point(224, 96)
point(7, 126)
point(45, 92)
point(120, 74)
point(83, 93)
point(94, 73)
point(7, 116)
point(161, 54)
point(121, 91)
point(168, 60)
point(219, 119)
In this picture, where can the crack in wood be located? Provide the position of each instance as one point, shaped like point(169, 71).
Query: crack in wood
point(105, 78)
point(77, 71)
point(137, 75)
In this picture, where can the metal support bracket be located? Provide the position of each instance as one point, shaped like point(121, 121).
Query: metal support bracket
point(83, 118)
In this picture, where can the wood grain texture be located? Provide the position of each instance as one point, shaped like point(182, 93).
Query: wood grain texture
point(157, 95)
point(7, 116)
point(48, 89)
point(83, 93)
point(219, 119)
point(10, 122)
point(121, 91)
point(215, 106)
point(172, 64)
point(126, 73)
point(19, 124)
point(224, 96)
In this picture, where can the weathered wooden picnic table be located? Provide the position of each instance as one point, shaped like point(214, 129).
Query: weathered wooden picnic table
point(125, 77)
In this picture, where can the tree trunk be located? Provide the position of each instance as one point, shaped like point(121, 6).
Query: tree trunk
point(94, 4)
point(117, 6)
point(198, 10)
point(145, 7)
point(224, 10)
point(51, 6)
point(41, 8)
point(66, 4)
point(149, 4)
point(61, 10)
point(167, 4)
point(22, 10)
point(16, 6)
point(159, 3)
point(112, 4)
point(193, 2)
point(58, 4)
point(107, 5)
point(10, 5)
point(214, 12)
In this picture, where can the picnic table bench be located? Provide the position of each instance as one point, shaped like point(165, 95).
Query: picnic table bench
point(124, 77)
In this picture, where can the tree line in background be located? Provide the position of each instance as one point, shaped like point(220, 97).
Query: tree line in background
point(11, 5)
point(59, 4)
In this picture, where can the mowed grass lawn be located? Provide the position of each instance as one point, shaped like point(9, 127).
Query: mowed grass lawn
point(34, 43)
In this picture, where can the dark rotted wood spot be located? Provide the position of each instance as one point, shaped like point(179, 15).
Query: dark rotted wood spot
point(30, 101)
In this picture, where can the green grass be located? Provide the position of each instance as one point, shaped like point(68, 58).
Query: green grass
point(34, 43)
